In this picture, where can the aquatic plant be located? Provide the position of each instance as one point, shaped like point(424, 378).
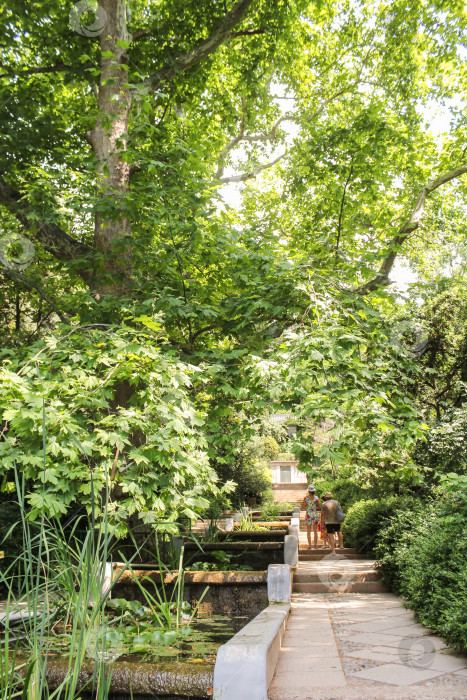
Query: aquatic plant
point(225, 561)
point(247, 524)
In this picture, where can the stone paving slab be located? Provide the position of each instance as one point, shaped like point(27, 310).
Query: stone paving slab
point(373, 654)
point(378, 651)
point(319, 692)
point(377, 625)
point(397, 674)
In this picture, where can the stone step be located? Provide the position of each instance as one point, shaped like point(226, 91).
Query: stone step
point(317, 556)
point(337, 574)
point(334, 587)
point(349, 575)
point(339, 550)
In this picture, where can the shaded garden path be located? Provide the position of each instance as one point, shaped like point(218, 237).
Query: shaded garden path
point(348, 638)
point(362, 645)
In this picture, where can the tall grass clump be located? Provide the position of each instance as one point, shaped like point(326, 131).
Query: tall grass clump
point(58, 582)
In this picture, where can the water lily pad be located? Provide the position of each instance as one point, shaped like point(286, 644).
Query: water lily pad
point(157, 637)
point(169, 637)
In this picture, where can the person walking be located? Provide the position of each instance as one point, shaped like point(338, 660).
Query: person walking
point(330, 521)
point(312, 505)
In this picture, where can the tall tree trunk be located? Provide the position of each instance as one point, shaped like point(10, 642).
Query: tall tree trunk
point(112, 226)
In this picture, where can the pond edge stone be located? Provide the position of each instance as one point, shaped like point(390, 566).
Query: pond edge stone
point(245, 664)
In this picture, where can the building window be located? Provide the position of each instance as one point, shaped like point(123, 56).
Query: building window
point(286, 475)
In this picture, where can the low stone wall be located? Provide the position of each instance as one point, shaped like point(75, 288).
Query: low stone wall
point(245, 665)
point(233, 593)
point(134, 679)
point(276, 533)
point(258, 555)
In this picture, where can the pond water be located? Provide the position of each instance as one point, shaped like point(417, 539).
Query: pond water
point(180, 667)
point(200, 647)
point(145, 660)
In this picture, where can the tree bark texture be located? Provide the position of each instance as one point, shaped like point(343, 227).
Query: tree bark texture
point(106, 267)
point(112, 230)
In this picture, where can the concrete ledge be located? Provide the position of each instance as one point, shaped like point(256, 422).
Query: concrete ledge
point(245, 664)
point(231, 593)
point(208, 578)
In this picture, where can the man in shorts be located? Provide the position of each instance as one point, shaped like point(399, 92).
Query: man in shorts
point(329, 520)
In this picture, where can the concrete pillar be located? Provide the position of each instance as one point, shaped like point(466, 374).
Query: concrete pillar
point(107, 579)
point(295, 521)
point(279, 583)
point(291, 550)
point(104, 582)
point(293, 530)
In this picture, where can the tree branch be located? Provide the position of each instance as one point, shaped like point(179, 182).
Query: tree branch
point(268, 136)
point(54, 239)
point(206, 48)
point(243, 177)
point(248, 32)
point(144, 33)
point(27, 282)
point(411, 225)
point(201, 331)
point(230, 146)
point(341, 211)
point(58, 68)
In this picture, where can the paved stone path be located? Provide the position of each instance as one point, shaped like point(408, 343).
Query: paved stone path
point(340, 646)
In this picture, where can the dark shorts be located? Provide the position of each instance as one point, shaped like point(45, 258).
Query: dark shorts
point(333, 527)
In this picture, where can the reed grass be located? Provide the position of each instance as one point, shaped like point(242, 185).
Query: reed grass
point(59, 580)
point(54, 581)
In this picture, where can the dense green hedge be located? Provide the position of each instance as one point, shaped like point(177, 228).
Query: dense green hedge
point(345, 491)
point(425, 561)
point(365, 519)
point(421, 547)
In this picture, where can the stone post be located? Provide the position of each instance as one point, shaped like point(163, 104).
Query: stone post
point(279, 583)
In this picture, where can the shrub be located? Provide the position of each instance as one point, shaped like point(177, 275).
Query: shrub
point(365, 519)
point(112, 401)
point(427, 565)
point(445, 447)
point(345, 491)
point(248, 468)
point(270, 509)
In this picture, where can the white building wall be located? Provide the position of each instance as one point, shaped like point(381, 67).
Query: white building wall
point(297, 477)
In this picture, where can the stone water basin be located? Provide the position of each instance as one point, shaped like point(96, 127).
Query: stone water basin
point(184, 670)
